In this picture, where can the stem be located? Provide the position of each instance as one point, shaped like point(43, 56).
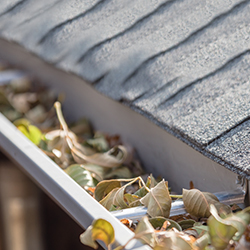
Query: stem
point(177, 196)
point(63, 123)
point(58, 108)
point(143, 183)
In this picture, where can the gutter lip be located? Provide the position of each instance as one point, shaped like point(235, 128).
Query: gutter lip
point(58, 185)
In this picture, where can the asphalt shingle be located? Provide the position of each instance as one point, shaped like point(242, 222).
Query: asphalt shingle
point(183, 64)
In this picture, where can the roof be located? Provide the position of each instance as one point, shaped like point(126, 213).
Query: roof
point(185, 65)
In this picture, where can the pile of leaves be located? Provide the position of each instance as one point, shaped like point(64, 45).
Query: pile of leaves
point(110, 172)
point(208, 224)
point(87, 156)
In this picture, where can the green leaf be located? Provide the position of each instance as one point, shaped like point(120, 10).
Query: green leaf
point(197, 203)
point(99, 230)
point(221, 231)
point(151, 182)
point(157, 222)
point(201, 229)
point(185, 224)
point(79, 174)
point(239, 220)
point(114, 208)
point(99, 143)
point(202, 242)
point(98, 172)
point(132, 200)
point(119, 172)
point(31, 132)
point(104, 187)
point(158, 200)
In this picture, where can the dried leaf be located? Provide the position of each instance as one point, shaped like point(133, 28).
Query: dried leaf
point(108, 201)
point(37, 114)
point(132, 200)
point(86, 238)
point(116, 196)
point(197, 203)
point(145, 232)
point(158, 200)
point(119, 196)
point(104, 187)
point(169, 240)
point(112, 158)
point(99, 230)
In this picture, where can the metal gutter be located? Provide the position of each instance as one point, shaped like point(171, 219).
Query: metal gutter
point(52, 179)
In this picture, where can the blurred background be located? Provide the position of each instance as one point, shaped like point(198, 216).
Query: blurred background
point(29, 219)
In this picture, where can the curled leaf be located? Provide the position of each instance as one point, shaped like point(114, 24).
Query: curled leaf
point(132, 200)
point(112, 158)
point(119, 196)
point(202, 242)
point(168, 240)
point(116, 196)
point(151, 182)
point(221, 230)
point(158, 200)
point(108, 201)
point(104, 187)
point(99, 230)
point(145, 232)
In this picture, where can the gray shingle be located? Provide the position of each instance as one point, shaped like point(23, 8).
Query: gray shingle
point(234, 148)
point(182, 64)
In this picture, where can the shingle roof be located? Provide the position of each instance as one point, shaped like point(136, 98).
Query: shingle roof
point(183, 64)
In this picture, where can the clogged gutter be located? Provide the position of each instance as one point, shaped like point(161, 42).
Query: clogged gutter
point(109, 171)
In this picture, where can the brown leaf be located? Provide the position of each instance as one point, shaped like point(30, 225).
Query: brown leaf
point(104, 187)
point(158, 200)
point(197, 203)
